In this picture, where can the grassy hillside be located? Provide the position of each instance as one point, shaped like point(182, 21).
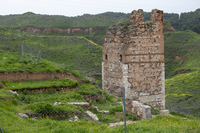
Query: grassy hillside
point(15, 62)
point(182, 92)
point(182, 50)
point(47, 92)
point(182, 71)
point(41, 21)
point(43, 105)
point(181, 56)
point(186, 21)
point(76, 52)
point(12, 123)
point(182, 89)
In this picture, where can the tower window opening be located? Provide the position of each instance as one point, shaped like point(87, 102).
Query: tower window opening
point(120, 58)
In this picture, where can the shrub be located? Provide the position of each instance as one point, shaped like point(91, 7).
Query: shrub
point(43, 108)
point(154, 111)
point(132, 116)
point(114, 109)
point(2, 85)
point(177, 114)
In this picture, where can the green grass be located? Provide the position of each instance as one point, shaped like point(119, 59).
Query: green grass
point(76, 52)
point(15, 62)
point(184, 44)
point(12, 123)
point(184, 90)
point(89, 89)
point(42, 102)
point(85, 56)
point(34, 84)
point(182, 86)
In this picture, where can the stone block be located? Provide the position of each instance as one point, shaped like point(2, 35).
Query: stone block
point(141, 110)
point(164, 112)
point(146, 112)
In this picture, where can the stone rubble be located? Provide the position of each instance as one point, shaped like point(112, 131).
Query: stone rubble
point(102, 112)
point(84, 105)
point(164, 112)
point(23, 115)
point(93, 116)
point(57, 103)
point(74, 119)
point(121, 123)
point(13, 92)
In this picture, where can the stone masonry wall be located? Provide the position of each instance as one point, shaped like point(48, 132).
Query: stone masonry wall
point(133, 56)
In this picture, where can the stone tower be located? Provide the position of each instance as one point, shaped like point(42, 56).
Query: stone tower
point(133, 57)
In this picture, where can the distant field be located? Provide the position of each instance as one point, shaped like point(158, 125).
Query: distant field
point(76, 52)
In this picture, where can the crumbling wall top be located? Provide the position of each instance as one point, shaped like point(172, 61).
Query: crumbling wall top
point(137, 16)
point(156, 15)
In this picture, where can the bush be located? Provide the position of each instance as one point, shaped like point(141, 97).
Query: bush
point(177, 114)
point(132, 116)
point(154, 111)
point(24, 98)
point(43, 108)
point(117, 108)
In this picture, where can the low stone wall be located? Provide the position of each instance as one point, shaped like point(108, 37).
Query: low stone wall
point(37, 76)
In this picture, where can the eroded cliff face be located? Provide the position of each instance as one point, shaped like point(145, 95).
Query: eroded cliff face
point(87, 30)
point(169, 27)
point(37, 76)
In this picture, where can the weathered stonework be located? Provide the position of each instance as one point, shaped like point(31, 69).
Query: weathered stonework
point(133, 56)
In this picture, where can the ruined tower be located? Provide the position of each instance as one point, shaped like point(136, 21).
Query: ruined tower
point(133, 57)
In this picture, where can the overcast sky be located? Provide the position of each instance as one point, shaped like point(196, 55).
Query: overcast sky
point(80, 7)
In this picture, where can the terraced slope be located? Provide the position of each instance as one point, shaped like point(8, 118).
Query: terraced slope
point(181, 56)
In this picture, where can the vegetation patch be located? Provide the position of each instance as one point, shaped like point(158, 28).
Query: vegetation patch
point(34, 84)
point(76, 52)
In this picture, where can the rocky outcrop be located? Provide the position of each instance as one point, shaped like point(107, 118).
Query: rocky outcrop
point(169, 27)
point(85, 30)
point(48, 30)
point(32, 30)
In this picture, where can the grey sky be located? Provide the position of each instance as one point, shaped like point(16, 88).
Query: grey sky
point(80, 7)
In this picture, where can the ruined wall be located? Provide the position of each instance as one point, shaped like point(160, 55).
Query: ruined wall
point(37, 76)
point(112, 66)
point(135, 54)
